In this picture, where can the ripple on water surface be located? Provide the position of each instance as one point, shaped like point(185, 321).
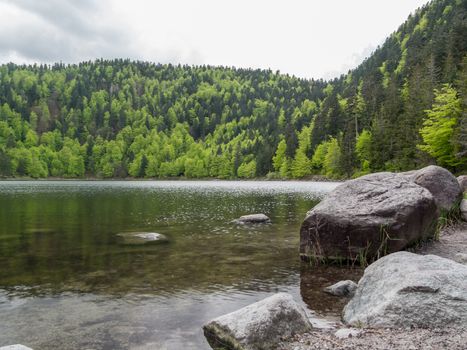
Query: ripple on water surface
point(67, 282)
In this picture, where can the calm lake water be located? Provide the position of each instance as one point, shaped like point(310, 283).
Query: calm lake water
point(67, 281)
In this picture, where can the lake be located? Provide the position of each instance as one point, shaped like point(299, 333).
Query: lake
point(68, 281)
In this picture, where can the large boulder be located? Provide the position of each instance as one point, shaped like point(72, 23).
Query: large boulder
point(367, 218)
point(405, 289)
point(258, 326)
point(443, 185)
point(462, 180)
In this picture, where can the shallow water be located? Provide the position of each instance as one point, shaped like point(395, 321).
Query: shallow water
point(67, 281)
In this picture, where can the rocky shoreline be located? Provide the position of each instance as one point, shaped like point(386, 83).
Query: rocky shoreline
point(413, 299)
point(451, 245)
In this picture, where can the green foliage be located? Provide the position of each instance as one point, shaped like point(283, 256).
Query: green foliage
point(440, 125)
point(280, 157)
point(118, 118)
point(327, 158)
point(319, 156)
point(247, 170)
point(363, 151)
point(331, 164)
point(389, 92)
point(285, 169)
point(301, 164)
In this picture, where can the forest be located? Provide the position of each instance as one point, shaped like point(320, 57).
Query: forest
point(404, 107)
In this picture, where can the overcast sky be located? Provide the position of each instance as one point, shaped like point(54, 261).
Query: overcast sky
point(306, 38)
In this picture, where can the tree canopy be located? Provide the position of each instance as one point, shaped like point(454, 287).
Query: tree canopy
point(402, 108)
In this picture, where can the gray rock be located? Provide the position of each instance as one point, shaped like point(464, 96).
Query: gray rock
point(252, 219)
point(344, 333)
point(258, 326)
point(342, 288)
point(368, 217)
point(463, 209)
point(440, 182)
point(462, 180)
point(15, 347)
point(405, 289)
point(138, 238)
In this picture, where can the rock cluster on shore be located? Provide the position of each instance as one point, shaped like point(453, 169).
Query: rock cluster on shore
point(377, 215)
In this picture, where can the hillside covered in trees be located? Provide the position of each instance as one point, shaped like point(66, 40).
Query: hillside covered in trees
point(404, 107)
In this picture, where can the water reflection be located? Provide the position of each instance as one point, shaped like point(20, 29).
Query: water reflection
point(314, 279)
point(67, 282)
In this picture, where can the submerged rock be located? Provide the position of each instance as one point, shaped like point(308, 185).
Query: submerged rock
point(258, 326)
point(137, 238)
point(367, 218)
point(342, 288)
point(405, 289)
point(15, 347)
point(253, 219)
point(442, 184)
point(40, 231)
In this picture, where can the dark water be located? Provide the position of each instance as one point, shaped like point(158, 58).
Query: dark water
point(68, 282)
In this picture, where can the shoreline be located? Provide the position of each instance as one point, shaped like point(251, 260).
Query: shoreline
point(207, 179)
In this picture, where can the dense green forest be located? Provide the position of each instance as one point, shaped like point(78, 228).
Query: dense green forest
point(404, 107)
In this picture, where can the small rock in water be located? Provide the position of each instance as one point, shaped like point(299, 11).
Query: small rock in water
point(253, 219)
point(342, 288)
point(15, 347)
point(136, 238)
point(149, 236)
point(347, 333)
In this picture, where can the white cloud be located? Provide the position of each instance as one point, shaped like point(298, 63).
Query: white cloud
point(308, 38)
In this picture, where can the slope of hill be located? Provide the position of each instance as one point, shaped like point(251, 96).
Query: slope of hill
point(377, 110)
point(114, 118)
point(120, 118)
